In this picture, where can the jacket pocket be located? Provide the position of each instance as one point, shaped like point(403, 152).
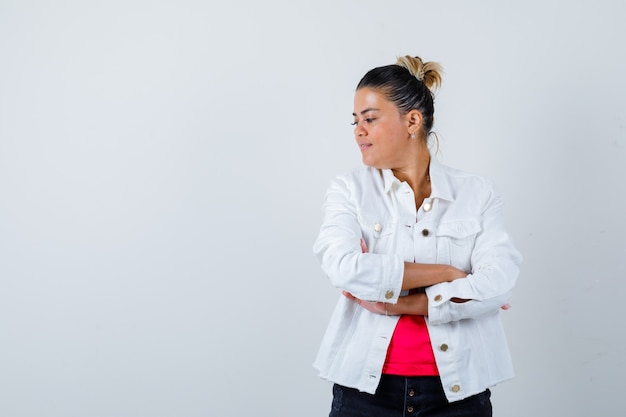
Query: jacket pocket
point(455, 242)
point(378, 233)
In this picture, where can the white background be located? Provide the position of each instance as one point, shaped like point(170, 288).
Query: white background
point(162, 170)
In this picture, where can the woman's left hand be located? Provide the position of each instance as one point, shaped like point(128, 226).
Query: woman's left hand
point(414, 304)
point(377, 307)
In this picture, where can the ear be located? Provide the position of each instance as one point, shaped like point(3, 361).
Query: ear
point(414, 121)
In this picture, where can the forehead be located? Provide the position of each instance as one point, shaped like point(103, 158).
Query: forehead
point(368, 99)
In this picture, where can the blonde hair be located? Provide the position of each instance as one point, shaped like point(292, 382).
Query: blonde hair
point(427, 72)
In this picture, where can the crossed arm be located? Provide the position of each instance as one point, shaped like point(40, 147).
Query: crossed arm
point(415, 276)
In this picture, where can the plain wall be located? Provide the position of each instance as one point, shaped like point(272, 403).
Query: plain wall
point(162, 170)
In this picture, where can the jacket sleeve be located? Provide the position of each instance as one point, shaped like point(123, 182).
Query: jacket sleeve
point(368, 276)
point(495, 267)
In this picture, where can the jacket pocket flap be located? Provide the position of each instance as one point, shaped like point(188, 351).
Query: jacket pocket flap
point(378, 226)
point(459, 228)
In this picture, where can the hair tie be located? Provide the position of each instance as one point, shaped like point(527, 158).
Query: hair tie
point(420, 73)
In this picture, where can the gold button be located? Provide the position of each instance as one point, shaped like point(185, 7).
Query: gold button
point(409, 409)
point(378, 227)
point(456, 388)
point(438, 297)
point(389, 295)
point(411, 393)
point(443, 347)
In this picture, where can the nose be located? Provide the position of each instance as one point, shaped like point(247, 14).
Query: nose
point(359, 130)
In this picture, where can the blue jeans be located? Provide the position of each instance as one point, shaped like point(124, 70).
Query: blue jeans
point(399, 396)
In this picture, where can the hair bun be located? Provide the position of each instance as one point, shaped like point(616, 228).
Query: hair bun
point(427, 72)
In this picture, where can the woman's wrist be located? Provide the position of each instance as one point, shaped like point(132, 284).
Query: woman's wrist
point(414, 304)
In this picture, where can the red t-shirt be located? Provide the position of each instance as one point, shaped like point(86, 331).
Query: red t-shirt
point(410, 352)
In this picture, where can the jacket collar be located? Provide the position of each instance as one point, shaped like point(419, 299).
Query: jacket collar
point(440, 183)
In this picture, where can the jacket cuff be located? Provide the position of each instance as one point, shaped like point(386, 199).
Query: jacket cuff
point(392, 284)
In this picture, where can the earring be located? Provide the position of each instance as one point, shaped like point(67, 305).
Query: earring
point(413, 136)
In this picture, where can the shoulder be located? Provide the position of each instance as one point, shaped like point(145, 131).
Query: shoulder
point(468, 188)
point(357, 185)
point(358, 177)
point(460, 178)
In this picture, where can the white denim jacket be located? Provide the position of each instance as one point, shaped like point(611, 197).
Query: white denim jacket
point(461, 225)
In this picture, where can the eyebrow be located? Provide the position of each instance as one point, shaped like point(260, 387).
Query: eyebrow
point(369, 109)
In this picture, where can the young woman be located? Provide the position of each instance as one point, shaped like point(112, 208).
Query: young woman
point(425, 264)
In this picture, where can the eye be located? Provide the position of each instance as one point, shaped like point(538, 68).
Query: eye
point(367, 120)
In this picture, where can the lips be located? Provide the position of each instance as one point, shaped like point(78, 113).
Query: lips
point(364, 146)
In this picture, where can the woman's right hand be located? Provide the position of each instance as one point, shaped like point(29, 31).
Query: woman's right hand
point(364, 246)
point(453, 273)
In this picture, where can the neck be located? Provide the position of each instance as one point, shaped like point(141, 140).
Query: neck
point(415, 173)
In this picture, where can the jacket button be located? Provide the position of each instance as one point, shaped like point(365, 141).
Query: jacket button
point(425, 232)
point(409, 409)
point(428, 206)
point(389, 295)
point(443, 347)
point(456, 388)
point(378, 227)
point(438, 297)
point(411, 393)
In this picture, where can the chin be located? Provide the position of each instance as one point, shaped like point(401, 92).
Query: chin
point(369, 162)
point(373, 164)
